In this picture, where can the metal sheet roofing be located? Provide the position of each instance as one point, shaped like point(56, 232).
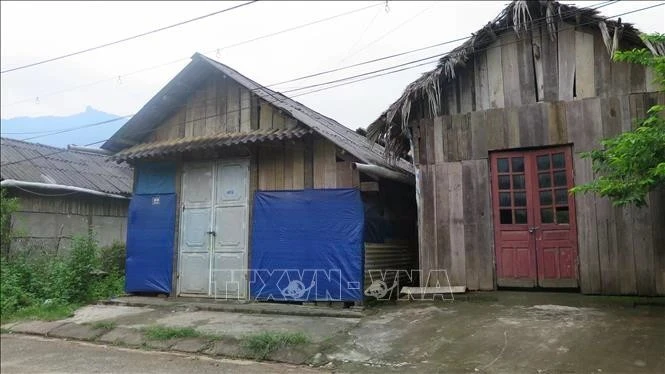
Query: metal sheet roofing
point(166, 147)
point(200, 68)
point(33, 162)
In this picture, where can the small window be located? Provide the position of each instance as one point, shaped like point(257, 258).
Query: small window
point(546, 197)
point(561, 196)
point(504, 199)
point(544, 180)
point(518, 164)
point(560, 178)
point(558, 161)
point(518, 182)
point(543, 162)
point(502, 165)
point(504, 182)
point(546, 215)
point(520, 216)
point(562, 215)
point(506, 216)
point(519, 198)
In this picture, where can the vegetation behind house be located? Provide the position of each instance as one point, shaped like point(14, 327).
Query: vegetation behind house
point(50, 286)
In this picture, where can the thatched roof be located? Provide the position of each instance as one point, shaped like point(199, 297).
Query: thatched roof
point(519, 17)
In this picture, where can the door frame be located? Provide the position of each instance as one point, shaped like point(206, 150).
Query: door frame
point(214, 166)
point(531, 176)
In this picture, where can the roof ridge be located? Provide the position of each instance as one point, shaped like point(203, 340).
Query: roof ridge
point(339, 129)
point(33, 143)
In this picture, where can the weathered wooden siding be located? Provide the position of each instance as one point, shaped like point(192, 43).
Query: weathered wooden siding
point(516, 71)
point(620, 249)
point(221, 105)
point(308, 163)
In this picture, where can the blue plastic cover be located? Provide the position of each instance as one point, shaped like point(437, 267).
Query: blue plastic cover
point(150, 234)
point(307, 245)
point(155, 177)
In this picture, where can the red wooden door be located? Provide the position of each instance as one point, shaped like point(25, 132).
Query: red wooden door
point(534, 218)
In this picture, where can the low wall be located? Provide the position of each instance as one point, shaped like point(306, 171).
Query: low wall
point(48, 224)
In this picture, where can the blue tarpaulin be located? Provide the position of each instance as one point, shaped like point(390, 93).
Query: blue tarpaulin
point(150, 231)
point(307, 245)
point(155, 177)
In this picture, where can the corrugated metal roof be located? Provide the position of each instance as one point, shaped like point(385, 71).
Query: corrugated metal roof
point(163, 103)
point(166, 147)
point(33, 162)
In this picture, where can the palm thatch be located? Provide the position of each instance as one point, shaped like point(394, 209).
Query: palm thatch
point(391, 128)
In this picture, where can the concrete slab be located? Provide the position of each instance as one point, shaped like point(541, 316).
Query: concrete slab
point(36, 327)
point(96, 313)
point(162, 345)
point(226, 348)
point(125, 336)
point(514, 333)
point(191, 345)
point(297, 355)
point(76, 331)
point(234, 306)
point(238, 325)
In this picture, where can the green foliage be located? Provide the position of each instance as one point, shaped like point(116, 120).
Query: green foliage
point(54, 285)
point(632, 164)
point(8, 205)
point(113, 258)
point(165, 333)
point(261, 345)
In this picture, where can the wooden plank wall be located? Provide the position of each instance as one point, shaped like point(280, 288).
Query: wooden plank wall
point(221, 105)
point(620, 250)
point(292, 165)
point(513, 72)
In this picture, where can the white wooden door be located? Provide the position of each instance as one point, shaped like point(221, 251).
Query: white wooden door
point(213, 244)
point(195, 229)
point(230, 227)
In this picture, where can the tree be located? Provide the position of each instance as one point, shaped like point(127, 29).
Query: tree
point(632, 164)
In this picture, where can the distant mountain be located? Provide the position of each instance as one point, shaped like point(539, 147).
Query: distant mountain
point(42, 128)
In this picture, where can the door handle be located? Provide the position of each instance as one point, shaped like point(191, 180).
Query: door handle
point(532, 229)
point(211, 233)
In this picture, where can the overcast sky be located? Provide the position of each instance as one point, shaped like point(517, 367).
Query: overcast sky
point(33, 31)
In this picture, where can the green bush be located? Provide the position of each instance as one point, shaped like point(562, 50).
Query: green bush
point(49, 286)
point(113, 258)
point(8, 205)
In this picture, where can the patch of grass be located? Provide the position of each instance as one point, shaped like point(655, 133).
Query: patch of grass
point(104, 325)
point(45, 312)
point(262, 344)
point(165, 333)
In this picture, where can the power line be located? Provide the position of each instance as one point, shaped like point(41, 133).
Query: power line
point(129, 38)
point(213, 50)
point(56, 132)
point(388, 33)
point(346, 83)
point(597, 6)
point(362, 34)
point(305, 87)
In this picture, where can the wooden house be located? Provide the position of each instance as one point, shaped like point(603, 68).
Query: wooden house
point(63, 193)
point(497, 130)
point(214, 137)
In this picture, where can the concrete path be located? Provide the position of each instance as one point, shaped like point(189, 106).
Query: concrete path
point(509, 333)
point(27, 354)
point(494, 332)
point(222, 333)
